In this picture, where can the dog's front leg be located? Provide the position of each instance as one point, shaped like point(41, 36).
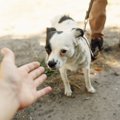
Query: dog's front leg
point(66, 83)
point(87, 80)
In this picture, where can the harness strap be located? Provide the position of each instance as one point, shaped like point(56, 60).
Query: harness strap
point(84, 29)
point(87, 14)
point(92, 55)
point(89, 9)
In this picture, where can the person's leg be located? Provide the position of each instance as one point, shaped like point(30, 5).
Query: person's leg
point(97, 21)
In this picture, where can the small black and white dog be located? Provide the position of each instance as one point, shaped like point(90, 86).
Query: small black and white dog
point(67, 49)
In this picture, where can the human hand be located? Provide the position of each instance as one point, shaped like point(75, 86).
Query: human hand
point(22, 81)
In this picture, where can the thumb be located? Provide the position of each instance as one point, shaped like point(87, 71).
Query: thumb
point(8, 55)
point(7, 63)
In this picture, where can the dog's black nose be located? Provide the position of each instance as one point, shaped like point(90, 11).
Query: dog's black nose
point(51, 64)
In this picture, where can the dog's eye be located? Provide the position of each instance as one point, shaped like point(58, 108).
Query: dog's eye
point(62, 52)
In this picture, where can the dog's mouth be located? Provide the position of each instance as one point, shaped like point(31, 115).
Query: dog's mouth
point(53, 69)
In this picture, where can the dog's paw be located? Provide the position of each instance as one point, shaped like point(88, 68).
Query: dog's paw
point(91, 90)
point(68, 92)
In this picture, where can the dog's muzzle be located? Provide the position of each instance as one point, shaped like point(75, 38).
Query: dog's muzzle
point(52, 64)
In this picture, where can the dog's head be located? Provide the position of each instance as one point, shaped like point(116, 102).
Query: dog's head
point(60, 45)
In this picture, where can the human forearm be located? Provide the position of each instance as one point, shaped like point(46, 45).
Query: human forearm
point(8, 102)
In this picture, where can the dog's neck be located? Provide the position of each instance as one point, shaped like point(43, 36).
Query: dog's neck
point(77, 56)
point(76, 60)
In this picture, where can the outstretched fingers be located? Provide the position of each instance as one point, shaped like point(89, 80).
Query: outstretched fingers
point(40, 80)
point(43, 92)
point(36, 73)
point(30, 66)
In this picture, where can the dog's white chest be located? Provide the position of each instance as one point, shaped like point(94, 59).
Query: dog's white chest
point(71, 67)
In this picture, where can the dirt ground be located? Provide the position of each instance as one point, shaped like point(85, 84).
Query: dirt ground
point(105, 76)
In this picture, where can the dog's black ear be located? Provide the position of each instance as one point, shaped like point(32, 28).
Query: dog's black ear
point(50, 32)
point(78, 32)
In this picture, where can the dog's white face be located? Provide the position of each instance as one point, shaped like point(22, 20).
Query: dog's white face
point(60, 45)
